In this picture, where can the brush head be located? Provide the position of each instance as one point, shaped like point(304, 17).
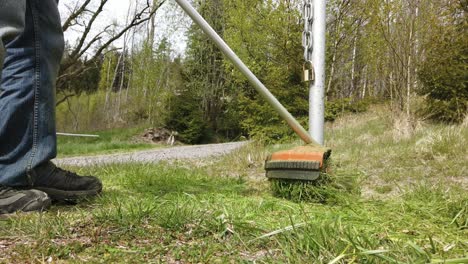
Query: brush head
point(304, 163)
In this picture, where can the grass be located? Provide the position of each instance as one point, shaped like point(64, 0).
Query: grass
point(370, 143)
point(223, 211)
point(328, 188)
point(112, 141)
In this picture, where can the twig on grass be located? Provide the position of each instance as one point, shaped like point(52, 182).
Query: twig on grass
point(279, 231)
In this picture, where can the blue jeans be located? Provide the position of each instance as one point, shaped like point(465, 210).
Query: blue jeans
point(31, 47)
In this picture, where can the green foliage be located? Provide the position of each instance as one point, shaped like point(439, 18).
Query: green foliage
point(374, 49)
point(203, 110)
point(85, 82)
point(449, 111)
point(336, 108)
point(129, 89)
point(154, 77)
point(83, 112)
point(266, 36)
point(106, 78)
point(186, 117)
point(444, 73)
point(270, 133)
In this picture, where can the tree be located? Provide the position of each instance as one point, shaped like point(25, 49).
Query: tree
point(82, 17)
point(444, 72)
point(205, 82)
point(267, 37)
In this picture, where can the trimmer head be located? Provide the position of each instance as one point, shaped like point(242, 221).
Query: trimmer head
point(300, 163)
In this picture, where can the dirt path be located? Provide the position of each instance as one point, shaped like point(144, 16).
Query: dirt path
point(154, 156)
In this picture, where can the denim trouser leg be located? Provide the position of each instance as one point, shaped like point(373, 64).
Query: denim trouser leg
point(12, 21)
point(33, 46)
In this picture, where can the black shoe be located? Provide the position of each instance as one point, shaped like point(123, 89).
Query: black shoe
point(62, 185)
point(13, 200)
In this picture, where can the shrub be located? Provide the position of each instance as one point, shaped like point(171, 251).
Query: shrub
point(336, 108)
point(267, 126)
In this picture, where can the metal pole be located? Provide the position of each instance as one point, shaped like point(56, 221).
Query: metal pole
point(198, 19)
point(317, 88)
point(76, 135)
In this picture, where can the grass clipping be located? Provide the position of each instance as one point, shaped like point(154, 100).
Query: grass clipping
point(328, 188)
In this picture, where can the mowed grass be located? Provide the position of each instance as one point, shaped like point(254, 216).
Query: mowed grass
point(111, 141)
point(223, 211)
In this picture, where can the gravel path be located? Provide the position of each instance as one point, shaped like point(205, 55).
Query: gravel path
point(154, 156)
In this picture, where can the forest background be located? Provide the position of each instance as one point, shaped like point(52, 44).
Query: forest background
point(411, 54)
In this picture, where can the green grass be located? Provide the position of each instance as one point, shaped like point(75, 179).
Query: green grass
point(111, 141)
point(370, 143)
point(410, 206)
point(167, 213)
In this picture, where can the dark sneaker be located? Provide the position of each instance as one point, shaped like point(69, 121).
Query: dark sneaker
point(12, 200)
point(62, 185)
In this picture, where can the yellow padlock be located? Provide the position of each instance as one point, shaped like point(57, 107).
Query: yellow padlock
point(308, 73)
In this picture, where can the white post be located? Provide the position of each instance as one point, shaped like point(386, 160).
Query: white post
point(317, 88)
point(76, 135)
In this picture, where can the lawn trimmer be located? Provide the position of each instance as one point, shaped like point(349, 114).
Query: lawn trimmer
point(300, 166)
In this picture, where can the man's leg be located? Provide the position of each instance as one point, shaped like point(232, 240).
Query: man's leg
point(11, 22)
point(32, 58)
point(27, 135)
point(12, 25)
point(2, 57)
point(57, 183)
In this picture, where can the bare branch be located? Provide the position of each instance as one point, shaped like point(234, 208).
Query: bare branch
point(74, 15)
point(136, 21)
point(73, 65)
point(65, 98)
point(85, 34)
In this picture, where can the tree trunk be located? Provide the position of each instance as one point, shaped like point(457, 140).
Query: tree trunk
point(106, 102)
point(364, 86)
point(353, 64)
point(408, 70)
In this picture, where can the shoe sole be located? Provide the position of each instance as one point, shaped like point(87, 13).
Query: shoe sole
point(61, 195)
point(38, 207)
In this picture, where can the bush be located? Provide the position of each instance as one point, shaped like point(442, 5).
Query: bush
point(336, 108)
point(267, 126)
point(272, 133)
